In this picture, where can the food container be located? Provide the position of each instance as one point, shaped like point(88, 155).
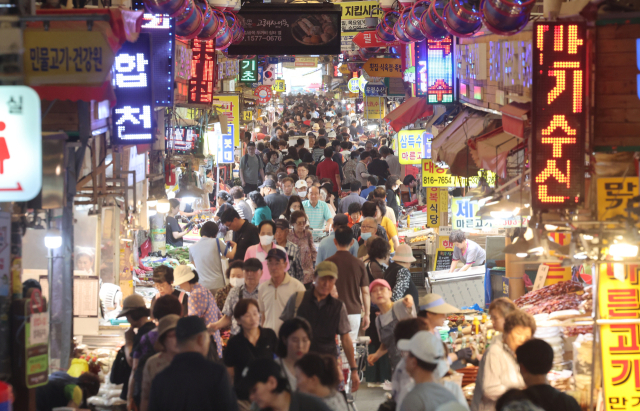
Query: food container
point(462, 288)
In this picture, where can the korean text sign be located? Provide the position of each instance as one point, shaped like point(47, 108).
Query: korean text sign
point(383, 67)
point(434, 176)
point(203, 72)
point(619, 299)
point(437, 205)
point(559, 120)
point(230, 106)
point(249, 70)
point(411, 146)
point(162, 30)
point(225, 152)
point(613, 195)
point(463, 216)
point(133, 113)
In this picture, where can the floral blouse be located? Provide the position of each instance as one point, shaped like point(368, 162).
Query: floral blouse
point(308, 253)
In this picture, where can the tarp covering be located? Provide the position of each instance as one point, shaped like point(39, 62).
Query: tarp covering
point(514, 117)
point(408, 112)
point(490, 150)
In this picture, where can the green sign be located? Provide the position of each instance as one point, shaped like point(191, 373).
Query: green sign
point(249, 71)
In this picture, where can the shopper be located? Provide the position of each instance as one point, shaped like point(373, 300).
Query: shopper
point(63, 390)
point(191, 382)
point(352, 283)
point(163, 282)
point(274, 293)
point(362, 173)
point(498, 311)
point(354, 213)
point(201, 301)
point(398, 275)
point(241, 206)
point(392, 160)
point(425, 363)
point(293, 251)
point(174, 232)
point(251, 271)
point(353, 197)
point(384, 222)
point(371, 183)
point(266, 230)
point(390, 314)
point(235, 278)
point(380, 193)
point(287, 186)
point(317, 211)
point(303, 238)
point(245, 234)
point(303, 169)
point(250, 343)
point(327, 316)
point(295, 204)
point(328, 168)
point(391, 187)
point(263, 212)
point(319, 150)
point(206, 255)
point(327, 246)
point(224, 202)
point(276, 202)
point(294, 341)
point(251, 169)
point(166, 347)
point(271, 391)
point(498, 370)
point(466, 251)
point(318, 375)
point(378, 167)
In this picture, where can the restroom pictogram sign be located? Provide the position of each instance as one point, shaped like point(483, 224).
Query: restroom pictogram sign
point(20, 144)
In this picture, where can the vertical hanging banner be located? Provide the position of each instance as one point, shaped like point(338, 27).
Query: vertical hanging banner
point(619, 299)
point(440, 71)
point(230, 105)
point(162, 30)
point(225, 149)
point(559, 121)
point(203, 72)
point(132, 82)
point(433, 207)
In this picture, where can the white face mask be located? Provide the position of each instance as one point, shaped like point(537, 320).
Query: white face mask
point(302, 194)
point(236, 282)
point(266, 239)
point(394, 188)
point(323, 196)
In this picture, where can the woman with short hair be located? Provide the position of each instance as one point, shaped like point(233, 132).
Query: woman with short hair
point(318, 375)
point(263, 212)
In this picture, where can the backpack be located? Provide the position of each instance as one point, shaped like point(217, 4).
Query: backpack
point(260, 162)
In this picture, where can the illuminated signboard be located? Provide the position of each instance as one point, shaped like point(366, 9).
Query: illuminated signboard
point(133, 113)
point(412, 146)
point(224, 154)
point(559, 120)
point(421, 68)
point(249, 70)
point(203, 73)
point(353, 85)
point(440, 70)
point(162, 30)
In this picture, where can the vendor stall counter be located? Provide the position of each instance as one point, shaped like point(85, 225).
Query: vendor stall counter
point(461, 288)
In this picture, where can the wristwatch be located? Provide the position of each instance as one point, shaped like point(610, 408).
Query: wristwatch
point(354, 368)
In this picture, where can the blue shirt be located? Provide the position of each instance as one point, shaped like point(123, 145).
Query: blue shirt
point(327, 248)
point(351, 198)
point(317, 215)
point(261, 214)
point(365, 193)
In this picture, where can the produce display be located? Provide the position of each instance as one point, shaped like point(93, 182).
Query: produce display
point(178, 253)
point(418, 239)
point(578, 330)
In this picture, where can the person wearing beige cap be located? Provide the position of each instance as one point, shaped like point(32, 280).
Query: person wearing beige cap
point(167, 348)
point(327, 316)
point(398, 275)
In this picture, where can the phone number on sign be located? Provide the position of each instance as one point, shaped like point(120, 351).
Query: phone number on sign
point(263, 38)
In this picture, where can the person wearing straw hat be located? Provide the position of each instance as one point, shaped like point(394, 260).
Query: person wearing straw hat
point(398, 275)
point(167, 347)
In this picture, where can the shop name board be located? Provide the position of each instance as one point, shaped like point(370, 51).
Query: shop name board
point(559, 121)
point(279, 86)
point(383, 67)
point(614, 194)
point(375, 90)
point(225, 151)
point(434, 176)
point(161, 28)
point(203, 73)
point(412, 144)
point(437, 205)
point(263, 93)
point(355, 12)
point(229, 105)
point(247, 115)
point(374, 108)
point(132, 82)
point(354, 85)
point(463, 217)
point(306, 62)
point(440, 70)
point(249, 70)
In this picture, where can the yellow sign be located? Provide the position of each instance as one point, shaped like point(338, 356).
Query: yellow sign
point(306, 62)
point(382, 67)
point(344, 69)
point(374, 108)
point(66, 57)
point(434, 176)
point(353, 85)
point(230, 105)
point(618, 296)
point(437, 205)
point(247, 115)
point(359, 10)
point(279, 86)
point(613, 195)
point(411, 144)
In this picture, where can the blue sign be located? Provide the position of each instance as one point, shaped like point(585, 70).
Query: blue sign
point(225, 146)
point(373, 90)
point(273, 60)
point(162, 30)
point(426, 144)
point(287, 59)
point(133, 113)
point(260, 73)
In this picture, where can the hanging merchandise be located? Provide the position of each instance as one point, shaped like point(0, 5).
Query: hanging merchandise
point(190, 23)
point(504, 17)
point(432, 21)
point(384, 30)
point(173, 8)
point(412, 24)
point(461, 18)
point(213, 23)
point(235, 26)
point(224, 38)
point(399, 28)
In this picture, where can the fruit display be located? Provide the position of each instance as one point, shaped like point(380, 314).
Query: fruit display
point(418, 239)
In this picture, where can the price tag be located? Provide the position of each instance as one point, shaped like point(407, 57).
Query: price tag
point(39, 329)
point(541, 277)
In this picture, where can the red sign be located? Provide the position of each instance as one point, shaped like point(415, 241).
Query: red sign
point(263, 93)
point(369, 39)
point(559, 119)
point(203, 72)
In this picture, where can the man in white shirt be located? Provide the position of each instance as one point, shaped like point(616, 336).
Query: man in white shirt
point(205, 255)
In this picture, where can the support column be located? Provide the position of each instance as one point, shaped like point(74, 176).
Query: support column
point(514, 273)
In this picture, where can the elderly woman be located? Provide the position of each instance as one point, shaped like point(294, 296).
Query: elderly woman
point(303, 238)
point(163, 282)
point(499, 370)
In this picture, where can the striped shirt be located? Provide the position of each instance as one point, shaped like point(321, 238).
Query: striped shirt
point(317, 215)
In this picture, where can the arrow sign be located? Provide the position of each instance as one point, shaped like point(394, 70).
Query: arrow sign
point(369, 39)
point(381, 67)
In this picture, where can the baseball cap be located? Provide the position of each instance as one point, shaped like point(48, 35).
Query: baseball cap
point(268, 183)
point(131, 303)
point(182, 274)
point(404, 254)
point(301, 183)
point(280, 176)
point(425, 346)
point(189, 326)
point(434, 303)
point(276, 253)
point(166, 323)
point(326, 268)
point(377, 282)
point(340, 219)
point(408, 180)
point(282, 223)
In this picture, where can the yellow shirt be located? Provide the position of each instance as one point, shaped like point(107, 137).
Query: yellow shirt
point(391, 231)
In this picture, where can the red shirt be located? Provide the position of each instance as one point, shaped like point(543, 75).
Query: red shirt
point(328, 169)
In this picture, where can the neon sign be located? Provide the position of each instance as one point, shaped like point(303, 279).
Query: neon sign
point(132, 114)
point(162, 30)
point(440, 70)
point(249, 70)
point(559, 120)
point(421, 68)
point(203, 74)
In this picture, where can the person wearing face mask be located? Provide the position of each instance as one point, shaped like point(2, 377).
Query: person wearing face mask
point(301, 188)
point(295, 204)
point(234, 276)
point(426, 364)
point(266, 231)
point(293, 252)
point(360, 230)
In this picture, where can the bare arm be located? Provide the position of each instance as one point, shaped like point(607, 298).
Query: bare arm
point(466, 267)
point(454, 263)
point(220, 324)
point(232, 253)
point(396, 243)
point(242, 175)
point(347, 346)
point(328, 224)
point(366, 302)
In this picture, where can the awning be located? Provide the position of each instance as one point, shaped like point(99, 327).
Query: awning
point(450, 145)
point(490, 150)
point(409, 112)
point(514, 118)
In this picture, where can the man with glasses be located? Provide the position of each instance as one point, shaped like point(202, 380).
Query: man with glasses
point(274, 294)
point(251, 169)
point(317, 211)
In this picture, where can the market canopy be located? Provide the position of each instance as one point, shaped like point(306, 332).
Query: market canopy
point(408, 112)
point(490, 151)
point(514, 118)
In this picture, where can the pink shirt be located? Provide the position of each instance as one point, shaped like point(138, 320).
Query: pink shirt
point(256, 251)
